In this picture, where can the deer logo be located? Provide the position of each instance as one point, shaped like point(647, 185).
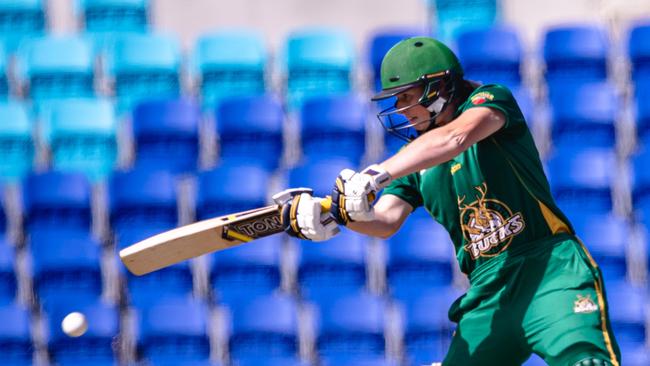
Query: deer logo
point(487, 224)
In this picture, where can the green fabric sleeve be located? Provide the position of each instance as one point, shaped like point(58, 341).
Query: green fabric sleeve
point(406, 188)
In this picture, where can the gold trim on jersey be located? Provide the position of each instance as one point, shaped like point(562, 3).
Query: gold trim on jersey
point(601, 304)
point(554, 223)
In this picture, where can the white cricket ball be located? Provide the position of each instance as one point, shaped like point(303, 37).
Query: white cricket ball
point(74, 324)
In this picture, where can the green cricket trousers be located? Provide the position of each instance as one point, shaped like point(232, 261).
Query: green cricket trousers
point(546, 297)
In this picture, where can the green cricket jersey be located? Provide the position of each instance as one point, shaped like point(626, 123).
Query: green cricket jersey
point(492, 197)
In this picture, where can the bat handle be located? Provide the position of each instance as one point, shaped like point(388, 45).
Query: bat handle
point(326, 203)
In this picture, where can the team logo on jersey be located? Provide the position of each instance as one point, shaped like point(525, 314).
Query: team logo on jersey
point(481, 97)
point(488, 224)
point(584, 305)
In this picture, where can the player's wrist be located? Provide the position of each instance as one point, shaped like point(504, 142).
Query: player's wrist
point(380, 178)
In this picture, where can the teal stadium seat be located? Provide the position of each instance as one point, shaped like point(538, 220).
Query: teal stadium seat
point(83, 138)
point(19, 20)
point(55, 67)
point(4, 81)
point(451, 17)
point(230, 63)
point(318, 62)
point(144, 66)
point(16, 144)
point(105, 20)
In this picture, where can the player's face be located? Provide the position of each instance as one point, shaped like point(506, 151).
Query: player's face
point(417, 114)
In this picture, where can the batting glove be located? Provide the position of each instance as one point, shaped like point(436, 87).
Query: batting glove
point(303, 216)
point(354, 193)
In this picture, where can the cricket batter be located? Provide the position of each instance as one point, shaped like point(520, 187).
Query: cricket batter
point(472, 164)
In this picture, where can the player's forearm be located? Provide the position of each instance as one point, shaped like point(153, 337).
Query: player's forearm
point(377, 228)
point(434, 147)
point(444, 143)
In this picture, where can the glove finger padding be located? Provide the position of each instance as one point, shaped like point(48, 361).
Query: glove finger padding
point(338, 202)
point(289, 219)
point(352, 197)
point(302, 217)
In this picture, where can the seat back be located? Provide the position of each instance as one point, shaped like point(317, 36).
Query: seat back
point(576, 52)
point(230, 63)
point(166, 134)
point(83, 137)
point(16, 143)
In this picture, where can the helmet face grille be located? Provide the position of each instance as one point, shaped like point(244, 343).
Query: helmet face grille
point(438, 91)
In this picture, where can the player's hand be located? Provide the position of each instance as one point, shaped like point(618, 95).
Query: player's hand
point(303, 217)
point(354, 193)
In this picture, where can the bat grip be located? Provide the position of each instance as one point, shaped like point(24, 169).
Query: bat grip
point(326, 203)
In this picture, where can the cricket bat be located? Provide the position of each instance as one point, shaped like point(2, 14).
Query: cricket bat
point(202, 237)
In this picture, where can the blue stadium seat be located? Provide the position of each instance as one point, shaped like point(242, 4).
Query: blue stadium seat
point(527, 105)
point(334, 125)
point(359, 361)
point(491, 55)
point(172, 281)
point(577, 52)
point(166, 134)
point(582, 178)
point(427, 329)
point(628, 313)
point(642, 109)
point(57, 201)
point(115, 16)
point(335, 266)
point(380, 43)
point(145, 198)
point(83, 137)
point(184, 363)
point(95, 347)
point(318, 62)
point(534, 360)
point(420, 252)
point(640, 179)
point(15, 336)
point(55, 67)
point(275, 334)
point(583, 113)
point(639, 50)
point(174, 329)
point(20, 20)
point(392, 143)
point(351, 326)
point(250, 127)
point(606, 238)
point(4, 80)
point(16, 144)
point(230, 63)
point(144, 66)
point(233, 186)
point(635, 355)
point(8, 281)
point(319, 173)
point(452, 16)
point(64, 265)
point(3, 214)
point(269, 361)
point(246, 270)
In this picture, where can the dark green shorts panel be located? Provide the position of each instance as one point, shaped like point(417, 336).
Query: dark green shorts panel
point(547, 301)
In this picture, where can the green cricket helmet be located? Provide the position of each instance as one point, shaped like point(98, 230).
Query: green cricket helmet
point(414, 62)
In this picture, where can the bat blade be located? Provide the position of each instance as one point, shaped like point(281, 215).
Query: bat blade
point(193, 240)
